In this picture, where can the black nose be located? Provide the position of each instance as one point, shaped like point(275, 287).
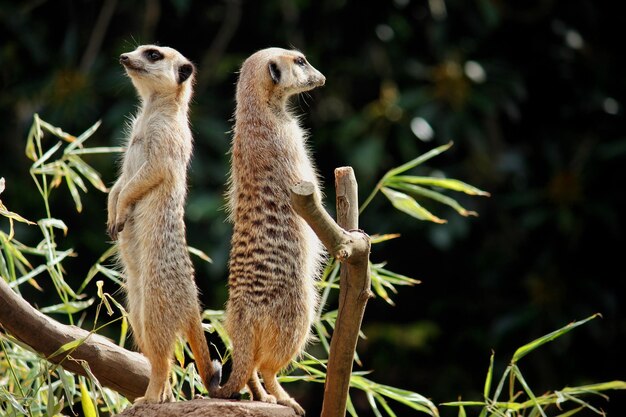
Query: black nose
point(123, 58)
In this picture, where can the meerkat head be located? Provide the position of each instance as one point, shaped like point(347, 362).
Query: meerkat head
point(279, 73)
point(159, 70)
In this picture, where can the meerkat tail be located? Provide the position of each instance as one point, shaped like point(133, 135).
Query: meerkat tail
point(200, 349)
point(216, 379)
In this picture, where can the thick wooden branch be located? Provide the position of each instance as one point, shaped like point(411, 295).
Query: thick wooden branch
point(352, 247)
point(115, 367)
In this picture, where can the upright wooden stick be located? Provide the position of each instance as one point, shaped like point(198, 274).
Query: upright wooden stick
point(352, 248)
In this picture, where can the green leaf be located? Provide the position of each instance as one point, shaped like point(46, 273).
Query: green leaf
point(448, 183)
point(71, 178)
point(88, 172)
point(70, 307)
point(85, 399)
point(408, 205)
point(46, 155)
point(57, 131)
point(527, 348)
point(7, 396)
point(51, 222)
point(531, 395)
point(433, 195)
point(67, 380)
point(383, 238)
point(489, 378)
point(99, 149)
point(84, 136)
point(417, 161)
point(66, 347)
point(179, 352)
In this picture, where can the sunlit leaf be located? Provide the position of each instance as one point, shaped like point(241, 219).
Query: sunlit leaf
point(67, 380)
point(87, 403)
point(200, 254)
point(56, 223)
point(88, 172)
point(56, 131)
point(84, 136)
point(70, 307)
point(487, 388)
point(408, 205)
point(179, 352)
point(46, 155)
point(383, 238)
point(100, 149)
point(529, 347)
point(448, 183)
point(419, 160)
point(70, 179)
point(433, 195)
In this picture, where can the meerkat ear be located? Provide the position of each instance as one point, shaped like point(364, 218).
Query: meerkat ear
point(184, 72)
point(274, 72)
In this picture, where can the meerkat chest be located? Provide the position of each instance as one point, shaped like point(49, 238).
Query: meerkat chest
point(135, 155)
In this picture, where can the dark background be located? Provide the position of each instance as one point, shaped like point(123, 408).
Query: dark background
point(541, 128)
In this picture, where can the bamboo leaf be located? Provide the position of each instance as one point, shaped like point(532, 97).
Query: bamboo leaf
point(68, 383)
point(7, 396)
point(84, 136)
point(28, 277)
point(56, 131)
point(200, 254)
point(46, 155)
point(571, 412)
point(419, 160)
point(518, 375)
point(70, 307)
point(51, 222)
point(433, 195)
point(70, 179)
point(88, 172)
point(99, 149)
point(529, 347)
point(179, 352)
point(602, 386)
point(489, 378)
point(450, 184)
point(408, 205)
point(383, 238)
point(85, 399)
point(51, 400)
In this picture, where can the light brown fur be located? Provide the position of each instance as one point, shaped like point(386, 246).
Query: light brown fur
point(145, 214)
point(275, 256)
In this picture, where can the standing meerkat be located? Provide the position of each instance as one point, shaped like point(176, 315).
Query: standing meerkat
point(275, 257)
point(145, 215)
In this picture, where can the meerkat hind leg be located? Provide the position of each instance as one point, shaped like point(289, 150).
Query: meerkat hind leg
point(282, 397)
point(257, 391)
point(159, 388)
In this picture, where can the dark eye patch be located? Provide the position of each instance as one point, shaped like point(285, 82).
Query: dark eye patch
point(300, 61)
point(153, 55)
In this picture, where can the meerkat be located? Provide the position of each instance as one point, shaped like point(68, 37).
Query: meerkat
point(275, 257)
point(145, 215)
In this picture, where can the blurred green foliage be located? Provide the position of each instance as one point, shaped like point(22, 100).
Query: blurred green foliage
point(531, 93)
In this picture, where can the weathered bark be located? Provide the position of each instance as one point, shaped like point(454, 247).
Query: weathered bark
point(117, 368)
point(352, 247)
point(210, 408)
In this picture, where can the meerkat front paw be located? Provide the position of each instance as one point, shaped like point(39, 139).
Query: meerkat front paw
point(267, 398)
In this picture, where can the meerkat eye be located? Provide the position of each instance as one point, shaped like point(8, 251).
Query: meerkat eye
point(300, 61)
point(153, 55)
